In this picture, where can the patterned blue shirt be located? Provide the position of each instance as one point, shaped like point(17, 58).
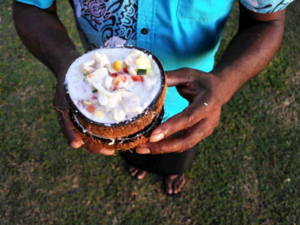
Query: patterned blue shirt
point(181, 33)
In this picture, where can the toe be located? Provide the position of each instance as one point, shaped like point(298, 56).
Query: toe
point(134, 172)
point(168, 185)
point(169, 189)
point(141, 174)
point(179, 184)
point(173, 186)
point(131, 168)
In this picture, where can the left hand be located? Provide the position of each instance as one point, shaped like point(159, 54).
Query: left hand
point(196, 122)
point(75, 139)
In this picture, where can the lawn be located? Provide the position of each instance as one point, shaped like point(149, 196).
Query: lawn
point(246, 172)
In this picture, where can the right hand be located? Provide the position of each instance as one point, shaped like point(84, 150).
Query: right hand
point(70, 132)
point(206, 95)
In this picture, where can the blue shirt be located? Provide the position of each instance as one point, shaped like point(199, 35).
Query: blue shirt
point(181, 33)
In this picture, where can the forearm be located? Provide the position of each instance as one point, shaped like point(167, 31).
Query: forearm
point(248, 53)
point(45, 36)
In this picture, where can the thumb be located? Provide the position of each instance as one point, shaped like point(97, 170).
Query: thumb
point(72, 134)
point(68, 129)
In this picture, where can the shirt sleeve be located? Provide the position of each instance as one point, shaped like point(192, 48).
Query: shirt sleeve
point(265, 6)
point(43, 4)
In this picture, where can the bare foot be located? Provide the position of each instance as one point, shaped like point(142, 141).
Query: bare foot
point(174, 183)
point(138, 173)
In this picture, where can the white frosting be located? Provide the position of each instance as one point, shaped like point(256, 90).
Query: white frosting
point(112, 101)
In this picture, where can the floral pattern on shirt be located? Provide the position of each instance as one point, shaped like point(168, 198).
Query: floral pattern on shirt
point(266, 6)
point(95, 12)
point(109, 18)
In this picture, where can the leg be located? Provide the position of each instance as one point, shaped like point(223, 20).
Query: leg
point(169, 165)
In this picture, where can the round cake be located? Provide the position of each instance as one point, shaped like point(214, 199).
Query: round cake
point(116, 96)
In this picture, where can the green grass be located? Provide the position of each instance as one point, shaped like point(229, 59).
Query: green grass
point(247, 172)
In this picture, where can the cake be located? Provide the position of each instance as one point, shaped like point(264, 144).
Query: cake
point(116, 96)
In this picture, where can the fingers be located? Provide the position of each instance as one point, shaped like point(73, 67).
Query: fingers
point(92, 146)
point(107, 152)
point(75, 138)
point(68, 129)
point(188, 138)
point(72, 134)
point(177, 77)
point(190, 116)
point(183, 76)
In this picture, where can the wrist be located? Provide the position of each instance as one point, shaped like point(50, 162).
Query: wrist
point(64, 65)
point(224, 87)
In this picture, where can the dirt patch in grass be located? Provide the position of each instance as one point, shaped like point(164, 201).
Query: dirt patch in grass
point(286, 111)
point(249, 188)
point(295, 80)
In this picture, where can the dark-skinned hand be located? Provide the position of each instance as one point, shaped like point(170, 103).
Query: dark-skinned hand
point(194, 123)
point(69, 130)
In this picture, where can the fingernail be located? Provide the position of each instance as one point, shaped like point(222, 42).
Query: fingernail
point(76, 144)
point(107, 152)
point(156, 137)
point(143, 150)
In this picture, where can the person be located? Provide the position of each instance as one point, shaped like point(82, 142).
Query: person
point(184, 35)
